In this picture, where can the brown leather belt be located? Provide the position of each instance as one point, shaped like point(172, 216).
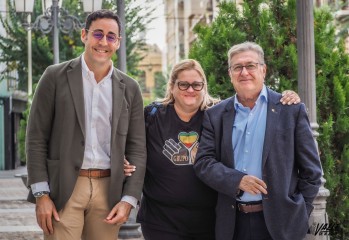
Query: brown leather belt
point(94, 173)
point(250, 208)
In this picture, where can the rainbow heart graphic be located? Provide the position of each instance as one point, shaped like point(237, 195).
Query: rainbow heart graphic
point(188, 138)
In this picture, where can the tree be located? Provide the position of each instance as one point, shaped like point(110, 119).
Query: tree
point(160, 85)
point(14, 48)
point(137, 19)
point(272, 24)
point(14, 44)
point(332, 67)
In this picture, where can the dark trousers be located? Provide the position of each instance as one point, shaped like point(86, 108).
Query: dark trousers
point(250, 226)
point(156, 234)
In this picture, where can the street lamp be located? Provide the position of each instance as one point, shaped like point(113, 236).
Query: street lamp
point(27, 7)
point(55, 18)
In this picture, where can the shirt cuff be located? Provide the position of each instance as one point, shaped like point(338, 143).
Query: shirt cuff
point(239, 194)
point(131, 200)
point(40, 187)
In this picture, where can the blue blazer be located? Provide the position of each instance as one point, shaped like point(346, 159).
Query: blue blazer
point(290, 167)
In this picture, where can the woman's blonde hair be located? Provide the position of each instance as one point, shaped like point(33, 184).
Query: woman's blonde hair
point(188, 64)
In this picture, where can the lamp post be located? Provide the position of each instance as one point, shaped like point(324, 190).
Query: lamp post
point(122, 50)
point(27, 7)
point(30, 65)
point(55, 18)
point(130, 228)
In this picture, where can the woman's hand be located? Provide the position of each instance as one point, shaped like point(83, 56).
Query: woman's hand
point(128, 168)
point(290, 97)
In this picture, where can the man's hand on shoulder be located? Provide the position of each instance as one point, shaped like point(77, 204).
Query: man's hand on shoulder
point(119, 214)
point(45, 208)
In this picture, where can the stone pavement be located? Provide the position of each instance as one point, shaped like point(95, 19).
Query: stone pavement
point(17, 216)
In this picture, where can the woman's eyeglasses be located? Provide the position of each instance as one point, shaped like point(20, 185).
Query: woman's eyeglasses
point(99, 35)
point(197, 86)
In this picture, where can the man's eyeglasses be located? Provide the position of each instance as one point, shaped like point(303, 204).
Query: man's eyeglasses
point(250, 67)
point(99, 35)
point(197, 86)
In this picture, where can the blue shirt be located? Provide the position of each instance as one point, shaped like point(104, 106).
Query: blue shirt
point(248, 139)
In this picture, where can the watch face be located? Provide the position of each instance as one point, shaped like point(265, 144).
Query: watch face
point(40, 194)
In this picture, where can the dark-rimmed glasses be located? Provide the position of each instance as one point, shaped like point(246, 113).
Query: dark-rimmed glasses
point(183, 86)
point(250, 67)
point(99, 35)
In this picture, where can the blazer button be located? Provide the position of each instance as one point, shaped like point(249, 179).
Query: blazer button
point(77, 169)
point(232, 206)
point(83, 143)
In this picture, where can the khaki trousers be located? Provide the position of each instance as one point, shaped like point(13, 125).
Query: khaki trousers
point(82, 216)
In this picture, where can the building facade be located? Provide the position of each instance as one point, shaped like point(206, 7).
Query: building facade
point(181, 17)
point(150, 65)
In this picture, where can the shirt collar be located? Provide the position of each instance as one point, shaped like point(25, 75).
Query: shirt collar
point(263, 96)
point(86, 71)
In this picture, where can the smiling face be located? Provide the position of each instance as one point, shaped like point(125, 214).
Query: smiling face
point(188, 100)
point(99, 52)
point(247, 83)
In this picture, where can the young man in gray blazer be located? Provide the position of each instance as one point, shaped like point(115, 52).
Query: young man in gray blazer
point(86, 116)
point(259, 155)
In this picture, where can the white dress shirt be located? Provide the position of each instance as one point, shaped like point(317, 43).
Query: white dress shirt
point(98, 101)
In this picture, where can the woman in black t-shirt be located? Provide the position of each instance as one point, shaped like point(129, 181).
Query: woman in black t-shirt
point(175, 203)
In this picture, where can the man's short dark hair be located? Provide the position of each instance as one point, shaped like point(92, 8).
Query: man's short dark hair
point(99, 14)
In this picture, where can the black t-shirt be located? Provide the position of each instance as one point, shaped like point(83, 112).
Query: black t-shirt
point(174, 199)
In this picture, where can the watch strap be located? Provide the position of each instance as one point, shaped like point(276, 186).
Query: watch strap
point(40, 194)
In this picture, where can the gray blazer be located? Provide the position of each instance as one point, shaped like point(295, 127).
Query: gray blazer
point(55, 139)
point(290, 167)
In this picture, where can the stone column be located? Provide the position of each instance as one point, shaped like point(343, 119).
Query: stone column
point(307, 92)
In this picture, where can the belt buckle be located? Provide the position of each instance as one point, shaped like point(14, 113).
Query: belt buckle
point(89, 173)
point(240, 209)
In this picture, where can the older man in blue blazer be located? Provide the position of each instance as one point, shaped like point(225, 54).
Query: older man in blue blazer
point(259, 155)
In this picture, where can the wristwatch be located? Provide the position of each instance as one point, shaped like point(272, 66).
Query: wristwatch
point(40, 194)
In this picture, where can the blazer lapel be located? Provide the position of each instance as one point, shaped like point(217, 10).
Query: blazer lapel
point(74, 76)
point(227, 143)
point(118, 92)
point(273, 113)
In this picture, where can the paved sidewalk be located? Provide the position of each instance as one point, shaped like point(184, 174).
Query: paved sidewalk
point(17, 216)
